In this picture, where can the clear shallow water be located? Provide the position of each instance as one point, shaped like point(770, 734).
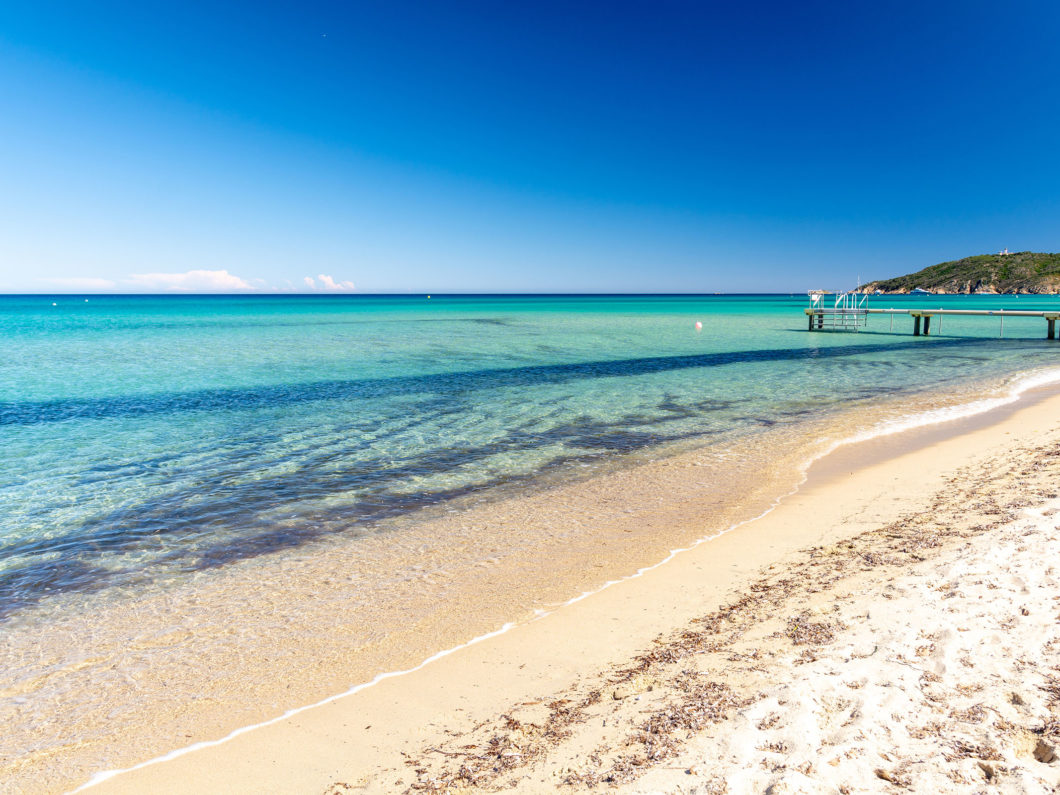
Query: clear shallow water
point(148, 438)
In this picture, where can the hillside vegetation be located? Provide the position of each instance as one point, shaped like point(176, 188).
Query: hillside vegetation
point(1021, 272)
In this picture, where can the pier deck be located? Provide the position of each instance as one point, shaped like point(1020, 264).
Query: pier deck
point(922, 317)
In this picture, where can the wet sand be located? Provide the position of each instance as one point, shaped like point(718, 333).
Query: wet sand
point(555, 699)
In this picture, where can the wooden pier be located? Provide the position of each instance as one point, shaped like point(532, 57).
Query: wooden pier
point(840, 317)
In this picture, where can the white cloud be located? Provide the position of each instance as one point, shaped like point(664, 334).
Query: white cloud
point(81, 283)
point(204, 281)
point(331, 284)
point(190, 281)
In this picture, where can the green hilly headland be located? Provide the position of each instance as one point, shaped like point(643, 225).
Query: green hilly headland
point(1019, 272)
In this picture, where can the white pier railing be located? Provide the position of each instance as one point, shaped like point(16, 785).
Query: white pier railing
point(838, 311)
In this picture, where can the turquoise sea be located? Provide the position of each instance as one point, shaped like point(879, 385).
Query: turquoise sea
point(147, 438)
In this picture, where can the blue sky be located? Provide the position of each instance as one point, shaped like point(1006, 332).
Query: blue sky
point(433, 146)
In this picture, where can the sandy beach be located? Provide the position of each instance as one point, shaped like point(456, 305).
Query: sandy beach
point(891, 624)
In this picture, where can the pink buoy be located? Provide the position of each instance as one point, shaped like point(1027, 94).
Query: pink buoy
point(699, 326)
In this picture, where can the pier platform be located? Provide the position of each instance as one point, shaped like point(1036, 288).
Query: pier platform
point(853, 317)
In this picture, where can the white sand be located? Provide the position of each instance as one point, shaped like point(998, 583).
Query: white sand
point(943, 681)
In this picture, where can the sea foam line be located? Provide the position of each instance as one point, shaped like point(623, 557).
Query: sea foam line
point(921, 419)
point(1033, 380)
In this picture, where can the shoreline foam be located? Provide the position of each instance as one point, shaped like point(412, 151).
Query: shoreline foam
point(1014, 392)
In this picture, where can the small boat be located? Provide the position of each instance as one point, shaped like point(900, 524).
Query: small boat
point(920, 291)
